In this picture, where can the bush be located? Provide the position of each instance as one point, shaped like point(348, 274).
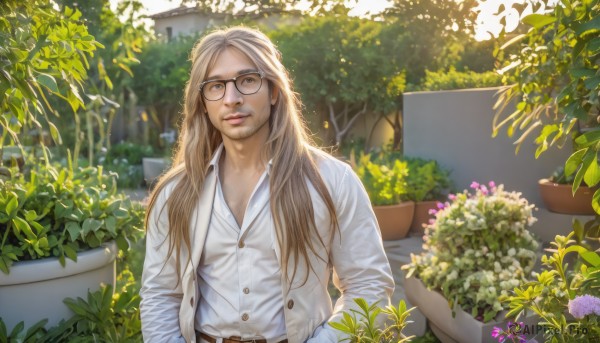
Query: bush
point(453, 79)
point(478, 249)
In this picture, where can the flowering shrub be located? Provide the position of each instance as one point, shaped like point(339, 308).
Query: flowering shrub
point(477, 249)
point(564, 297)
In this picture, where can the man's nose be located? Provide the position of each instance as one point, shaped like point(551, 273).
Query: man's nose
point(232, 95)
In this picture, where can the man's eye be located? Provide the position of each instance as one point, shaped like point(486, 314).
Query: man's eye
point(215, 86)
point(249, 79)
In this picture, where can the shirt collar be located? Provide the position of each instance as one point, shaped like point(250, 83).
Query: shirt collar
point(214, 162)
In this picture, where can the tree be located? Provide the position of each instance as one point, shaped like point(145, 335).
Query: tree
point(421, 34)
point(340, 69)
point(160, 78)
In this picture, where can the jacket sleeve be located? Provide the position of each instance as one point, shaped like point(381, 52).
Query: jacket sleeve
point(361, 268)
point(160, 296)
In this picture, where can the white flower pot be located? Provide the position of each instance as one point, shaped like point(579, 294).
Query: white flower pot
point(153, 167)
point(463, 327)
point(34, 290)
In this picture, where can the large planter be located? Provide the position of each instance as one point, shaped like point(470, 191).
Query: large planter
point(559, 198)
point(153, 167)
point(422, 216)
point(462, 328)
point(394, 220)
point(34, 290)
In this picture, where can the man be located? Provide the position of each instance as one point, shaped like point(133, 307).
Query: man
point(244, 230)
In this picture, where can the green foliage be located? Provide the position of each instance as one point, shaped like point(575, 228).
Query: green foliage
point(102, 317)
point(427, 180)
point(160, 78)
point(477, 250)
point(365, 327)
point(344, 74)
point(551, 294)
point(419, 34)
point(557, 86)
point(453, 79)
point(57, 213)
point(43, 52)
point(385, 185)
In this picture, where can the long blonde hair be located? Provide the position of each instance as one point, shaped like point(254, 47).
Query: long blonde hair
point(288, 145)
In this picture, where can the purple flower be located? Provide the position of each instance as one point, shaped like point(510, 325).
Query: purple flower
point(432, 211)
point(440, 205)
point(496, 331)
point(584, 305)
point(474, 185)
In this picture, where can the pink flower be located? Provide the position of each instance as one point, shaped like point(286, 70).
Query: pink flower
point(440, 205)
point(452, 197)
point(584, 305)
point(474, 185)
point(492, 184)
point(432, 211)
point(484, 190)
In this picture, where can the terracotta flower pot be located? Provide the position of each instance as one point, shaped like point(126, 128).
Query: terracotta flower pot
point(394, 220)
point(559, 198)
point(422, 216)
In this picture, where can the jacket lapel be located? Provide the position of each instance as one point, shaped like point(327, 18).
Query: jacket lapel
point(201, 217)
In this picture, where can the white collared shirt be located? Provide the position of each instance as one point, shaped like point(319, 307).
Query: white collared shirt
point(239, 274)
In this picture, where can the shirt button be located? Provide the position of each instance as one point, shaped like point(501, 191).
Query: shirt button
point(290, 304)
point(246, 290)
point(241, 244)
point(245, 316)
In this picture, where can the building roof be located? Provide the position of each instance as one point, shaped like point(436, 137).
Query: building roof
point(182, 10)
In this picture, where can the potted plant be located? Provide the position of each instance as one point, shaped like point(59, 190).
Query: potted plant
point(61, 229)
point(565, 299)
point(386, 186)
point(557, 194)
point(427, 184)
point(364, 324)
point(476, 251)
point(553, 71)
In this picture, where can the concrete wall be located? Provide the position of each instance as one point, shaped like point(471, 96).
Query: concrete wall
point(454, 128)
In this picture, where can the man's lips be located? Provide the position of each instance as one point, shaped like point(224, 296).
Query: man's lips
point(236, 118)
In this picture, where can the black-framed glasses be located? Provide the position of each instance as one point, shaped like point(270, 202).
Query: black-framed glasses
point(247, 84)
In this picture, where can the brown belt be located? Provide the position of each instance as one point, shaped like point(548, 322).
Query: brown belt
point(233, 339)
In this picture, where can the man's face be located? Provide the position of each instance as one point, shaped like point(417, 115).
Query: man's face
point(237, 116)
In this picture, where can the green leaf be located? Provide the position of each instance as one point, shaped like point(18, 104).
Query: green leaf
point(122, 243)
point(48, 81)
point(588, 138)
point(591, 257)
point(538, 20)
point(91, 225)
point(574, 161)
point(587, 27)
point(596, 201)
point(11, 207)
point(74, 230)
point(24, 227)
point(592, 83)
point(70, 252)
point(55, 134)
point(592, 174)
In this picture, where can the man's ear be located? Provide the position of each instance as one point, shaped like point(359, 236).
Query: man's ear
point(274, 95)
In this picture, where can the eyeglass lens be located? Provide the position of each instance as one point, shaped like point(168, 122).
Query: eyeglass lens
point(246, 84)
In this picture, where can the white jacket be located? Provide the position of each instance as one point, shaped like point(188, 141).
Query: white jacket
point(360, 266)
